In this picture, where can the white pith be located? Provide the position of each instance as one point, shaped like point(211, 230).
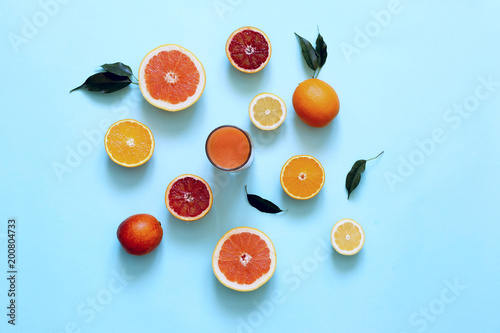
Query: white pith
point(252, 115)
point(257, 283)
point(171, 77)
point(356, 249)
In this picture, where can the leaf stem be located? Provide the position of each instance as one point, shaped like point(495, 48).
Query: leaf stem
point(317, 72)
point(134, 82)
point(375, 156)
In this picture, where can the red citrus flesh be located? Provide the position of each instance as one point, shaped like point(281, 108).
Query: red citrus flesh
point(189, 197)
point(244, 257)
point(171, 76)
point(249, 50)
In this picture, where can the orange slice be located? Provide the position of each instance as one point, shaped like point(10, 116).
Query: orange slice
point(302, 177)
point(129, 143)
point(248, 49)
point(171, 77)
point(188, 197)
point(347, 237)
point(244, 259)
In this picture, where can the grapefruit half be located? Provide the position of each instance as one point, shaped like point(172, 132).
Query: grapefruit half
point(244, 259)
point(171, 77)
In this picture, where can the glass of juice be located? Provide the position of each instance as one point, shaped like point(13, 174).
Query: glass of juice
point(229, 148)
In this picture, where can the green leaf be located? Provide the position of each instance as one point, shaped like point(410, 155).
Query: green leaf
point(309, 53)
point(321, 50)
point(354, 176)
point(261, 204)
point(118, 68)
point(105, 83)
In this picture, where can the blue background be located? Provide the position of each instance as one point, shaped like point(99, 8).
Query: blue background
point(427, 207)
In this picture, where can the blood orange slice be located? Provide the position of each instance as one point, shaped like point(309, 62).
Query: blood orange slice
point(171, 77)
point(188, 197)
point(244, 259)
point(248, 49)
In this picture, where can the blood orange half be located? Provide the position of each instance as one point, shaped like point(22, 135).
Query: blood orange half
point(188, 197)
point(248, 49)
point(244, 259)
point(171, 77)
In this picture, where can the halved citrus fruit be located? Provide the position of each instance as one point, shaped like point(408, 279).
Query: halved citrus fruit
point(244, 259)
point(248, 49)
point(302, 177)
point(267, 111)
point(188, 197)
point(347, 237)
point(171, 77)
point(129, 143)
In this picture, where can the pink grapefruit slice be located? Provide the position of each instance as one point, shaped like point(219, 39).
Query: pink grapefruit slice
point(244, 259)
point(171, 77)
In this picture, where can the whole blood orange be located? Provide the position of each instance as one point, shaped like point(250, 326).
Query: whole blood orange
point(315, 102)
point(248, 49)
point(244, 259)
point(188, 197)
point(140, 234)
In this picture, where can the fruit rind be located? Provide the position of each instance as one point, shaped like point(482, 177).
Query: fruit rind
point(125, 164)
point(251, 113)
point(306, 106)
point(185, 218)
point(163, 104)
point(283, 171)
point(332, 238)
point(148, 245)
point(233, 285)
point(249, 71)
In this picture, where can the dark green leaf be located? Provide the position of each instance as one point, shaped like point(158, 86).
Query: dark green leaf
point(309, 53)
point(118, 68)
point(321, 50)
point(105, 83)
point(261, 204)
point(354, 176)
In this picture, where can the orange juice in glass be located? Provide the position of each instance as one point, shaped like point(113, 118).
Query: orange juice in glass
point(229, 148)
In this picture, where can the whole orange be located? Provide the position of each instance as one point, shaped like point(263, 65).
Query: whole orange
point(140, 234)
point(315, 102)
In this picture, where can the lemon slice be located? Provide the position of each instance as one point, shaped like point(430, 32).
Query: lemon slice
point(267, 111)
point(347, 237)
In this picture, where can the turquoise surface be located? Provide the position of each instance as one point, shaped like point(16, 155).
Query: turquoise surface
point(419, 80)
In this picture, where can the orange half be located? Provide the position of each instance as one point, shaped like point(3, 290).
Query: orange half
point(129, 143)
point(302, 177)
